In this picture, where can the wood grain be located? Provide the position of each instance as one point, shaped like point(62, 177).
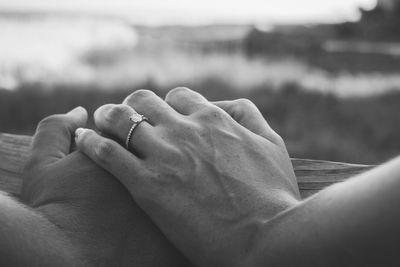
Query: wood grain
point(312, 175)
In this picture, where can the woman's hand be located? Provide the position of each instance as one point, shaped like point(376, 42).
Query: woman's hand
point(207, 181)
point(95, 218)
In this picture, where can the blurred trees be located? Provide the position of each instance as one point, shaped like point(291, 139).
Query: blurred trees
point(313, 125)
point(379, 24)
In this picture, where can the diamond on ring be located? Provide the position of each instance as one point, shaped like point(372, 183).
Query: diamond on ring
point(136, 118)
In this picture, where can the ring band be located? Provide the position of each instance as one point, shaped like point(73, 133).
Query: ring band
point(136, 118)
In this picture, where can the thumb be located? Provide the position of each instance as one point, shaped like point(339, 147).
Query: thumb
point(54, 136)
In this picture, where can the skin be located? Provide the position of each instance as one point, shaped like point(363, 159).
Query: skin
point(355, 223)
point(203, 178)
point(75, 213)
point(29, 239)
point(226, 195)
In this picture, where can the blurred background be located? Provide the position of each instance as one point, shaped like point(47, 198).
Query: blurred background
point(325, 74)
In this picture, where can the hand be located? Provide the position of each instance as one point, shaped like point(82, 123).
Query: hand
point(93, 212)
point(207, 182)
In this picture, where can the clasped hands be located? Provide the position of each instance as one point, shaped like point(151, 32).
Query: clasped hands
point(198, 182)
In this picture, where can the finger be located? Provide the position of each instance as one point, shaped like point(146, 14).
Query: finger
point(53, 137)
point(109, 155)
point(113, 120)
point(186, 101)
point(247, 114)
point(147, 103)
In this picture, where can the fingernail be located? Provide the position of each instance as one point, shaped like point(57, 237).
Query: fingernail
point(76, 110)
point(78, 132)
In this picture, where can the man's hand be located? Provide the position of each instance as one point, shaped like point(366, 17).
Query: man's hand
point(92, 212)
point(208, 182)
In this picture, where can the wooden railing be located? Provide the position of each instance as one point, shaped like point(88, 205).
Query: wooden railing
point(312, 175)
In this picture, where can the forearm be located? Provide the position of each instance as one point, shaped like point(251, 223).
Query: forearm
point(28, 239)
point(355, 223)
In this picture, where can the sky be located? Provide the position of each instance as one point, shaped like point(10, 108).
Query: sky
point(205, 11)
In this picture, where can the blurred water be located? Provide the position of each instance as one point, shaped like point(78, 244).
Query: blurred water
point(390, 49)
point(109, 53)
point(38, 49)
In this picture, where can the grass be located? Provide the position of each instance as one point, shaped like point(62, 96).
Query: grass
point(314, 125)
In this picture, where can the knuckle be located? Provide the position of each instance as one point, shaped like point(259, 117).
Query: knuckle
point(242, 107)
point(178, 91)
point(142, 93)
point(113, 114)
point(104, 150)
point(245, 103)
point(277, 139)
point(138, 95)
point(210, 113)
